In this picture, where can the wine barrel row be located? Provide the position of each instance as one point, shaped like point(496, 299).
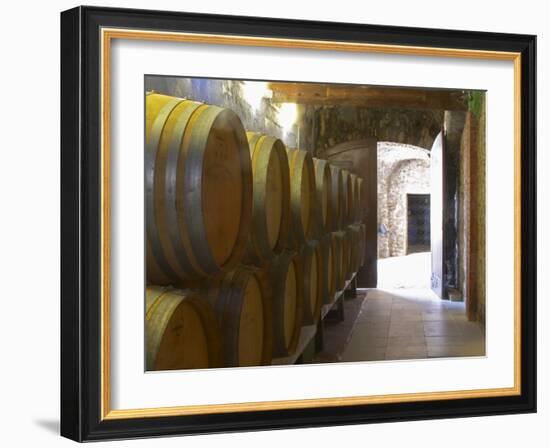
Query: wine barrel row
point(246, 239)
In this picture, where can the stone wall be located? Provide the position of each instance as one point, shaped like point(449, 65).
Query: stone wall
point(260, 117)
point(340, 124)
point(402, 170)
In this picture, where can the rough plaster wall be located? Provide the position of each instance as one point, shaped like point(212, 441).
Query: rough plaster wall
point(224, 93)
point(402, 169)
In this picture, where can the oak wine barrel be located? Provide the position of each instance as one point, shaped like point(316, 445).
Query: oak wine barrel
point(287, 299)
point(361, 195)
point(337, 254)
point(242, 303)
point(343, 237)
point(348, 197)
point(311, 277)
point(355, 240)
point(181, 331)
point(351, 251)
point(354, 210)
point(337, 197)
point(302, 197)
point(363, 243)
point(270, 199)
point(328, 284)
point(198, 189)
point(323, 185)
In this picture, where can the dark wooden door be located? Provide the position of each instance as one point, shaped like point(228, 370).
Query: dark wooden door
point(436, 215)
point(418, 223)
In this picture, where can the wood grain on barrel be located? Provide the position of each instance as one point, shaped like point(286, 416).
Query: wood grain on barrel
point(347, 254)
point(348, 197)
point(311, 279)
point(181, 331)
point(339, 259)
point(271, 199)
point(251, 329)
point(327, 269)
point(363, 240)
point(337, 197)
point(331, 285)
point(361, 199)
point(323, 185)
point(290, 297)
point(222, 189)
point(302, 197)
point(274, 199)
point(287, 299)
point(241, 300)
point(355, 249)
point(354, 208)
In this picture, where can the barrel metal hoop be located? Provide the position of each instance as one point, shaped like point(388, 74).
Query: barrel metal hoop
point(305, 164)
point(285, 215)
point(261, 160)
point(154, 331)
point(151, 151)
point(299, 305)
point(156, 303)
point(252, 142)
point(236, 301)
point(193, 189)
point(279, 282)
point(174, 153)
point(253, 252)
point(295, 193)
point(336, 193)
point(320, 167)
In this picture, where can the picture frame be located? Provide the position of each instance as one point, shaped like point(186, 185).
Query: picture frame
point(86, 37)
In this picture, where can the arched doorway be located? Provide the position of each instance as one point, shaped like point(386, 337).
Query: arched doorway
point(403, 216)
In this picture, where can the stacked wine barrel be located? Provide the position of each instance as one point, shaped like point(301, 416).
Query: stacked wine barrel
point(246, 239)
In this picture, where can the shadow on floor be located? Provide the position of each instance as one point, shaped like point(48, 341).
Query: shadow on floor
point(336, 333)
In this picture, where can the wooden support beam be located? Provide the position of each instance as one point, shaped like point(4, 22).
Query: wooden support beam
point(367, 96)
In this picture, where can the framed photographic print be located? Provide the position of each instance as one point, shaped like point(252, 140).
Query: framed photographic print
point(273, 223)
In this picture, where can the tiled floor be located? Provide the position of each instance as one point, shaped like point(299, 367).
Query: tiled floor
point(412, 324)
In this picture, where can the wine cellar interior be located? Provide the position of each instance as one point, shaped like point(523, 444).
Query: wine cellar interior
point(279, 216)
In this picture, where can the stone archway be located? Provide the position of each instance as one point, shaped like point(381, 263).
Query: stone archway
point(402, 170)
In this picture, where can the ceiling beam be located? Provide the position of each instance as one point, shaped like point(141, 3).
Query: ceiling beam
point(367, 96)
